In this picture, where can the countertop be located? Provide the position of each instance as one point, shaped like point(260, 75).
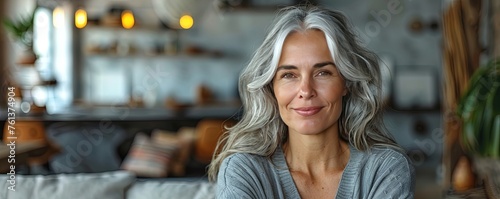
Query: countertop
point(123, 113)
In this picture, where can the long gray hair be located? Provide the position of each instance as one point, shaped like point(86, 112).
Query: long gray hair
point(261, 130)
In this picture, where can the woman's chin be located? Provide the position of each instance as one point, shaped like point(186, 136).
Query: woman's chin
point(311, 128)
point(308, 130)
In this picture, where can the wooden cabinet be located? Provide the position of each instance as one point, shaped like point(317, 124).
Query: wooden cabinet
point(24, 131)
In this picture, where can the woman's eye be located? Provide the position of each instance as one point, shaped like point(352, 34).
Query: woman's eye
point(287, 75)
point(324, 73)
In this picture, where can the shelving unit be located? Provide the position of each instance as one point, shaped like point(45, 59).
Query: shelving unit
point(140, 40)
point(120, 65)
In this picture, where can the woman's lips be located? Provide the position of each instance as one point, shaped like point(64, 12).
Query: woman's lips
point(307, 111)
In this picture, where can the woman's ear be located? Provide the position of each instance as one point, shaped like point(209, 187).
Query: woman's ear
point(344, 92)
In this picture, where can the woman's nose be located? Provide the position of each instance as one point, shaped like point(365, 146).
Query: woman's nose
point(306, 89)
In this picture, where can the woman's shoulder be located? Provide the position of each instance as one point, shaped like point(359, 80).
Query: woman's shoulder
point(385, 156)
point(392, 153)
point(245, 160)
point(381, 172)
point(240, 156)
point(389, 157)
point(245, 175)
point(383, 151)
point(245, 166)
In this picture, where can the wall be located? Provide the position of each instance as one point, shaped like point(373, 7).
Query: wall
point(383, 26)
point(228, 33)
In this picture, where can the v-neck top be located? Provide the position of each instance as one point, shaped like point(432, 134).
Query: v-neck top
point(377, 173)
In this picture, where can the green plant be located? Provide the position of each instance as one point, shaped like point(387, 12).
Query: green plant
point(22, 29)
point(479, 110)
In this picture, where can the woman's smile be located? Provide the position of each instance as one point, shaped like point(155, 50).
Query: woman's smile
point(307, 111)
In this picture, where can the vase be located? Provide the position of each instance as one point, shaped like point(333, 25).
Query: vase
point(27, 57)
point(488, 169)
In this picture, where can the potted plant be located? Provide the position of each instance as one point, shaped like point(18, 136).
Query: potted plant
point(479, 110)
point(24, 73)
point(22, 32)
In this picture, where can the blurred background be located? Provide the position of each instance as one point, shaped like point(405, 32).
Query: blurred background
point(146, 65)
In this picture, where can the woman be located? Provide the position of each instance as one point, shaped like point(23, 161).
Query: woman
point(312, 124)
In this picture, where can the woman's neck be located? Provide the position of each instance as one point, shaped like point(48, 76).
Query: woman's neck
point(316, 153)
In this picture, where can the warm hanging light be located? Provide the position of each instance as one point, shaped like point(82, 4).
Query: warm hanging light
point(58, 17)
point(80, 18)
point(186, 21)
point(128, 20)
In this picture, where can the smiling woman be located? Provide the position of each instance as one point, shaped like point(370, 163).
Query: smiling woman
point(312, 124)
point(307, 85)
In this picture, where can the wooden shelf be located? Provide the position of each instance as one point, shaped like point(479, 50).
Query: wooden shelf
point(145, 55)
point(140, 29)
point(125, 113)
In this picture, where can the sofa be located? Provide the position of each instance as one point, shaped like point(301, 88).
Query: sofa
point(119, 184)
point(86, 147)
point(156, 164)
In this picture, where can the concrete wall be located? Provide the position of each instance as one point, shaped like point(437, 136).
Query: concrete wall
point(383, 26)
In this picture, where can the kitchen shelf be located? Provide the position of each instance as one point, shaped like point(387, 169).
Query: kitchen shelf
point(125, 113)
point(138, 29)
point(182, 56)
point(116, 42)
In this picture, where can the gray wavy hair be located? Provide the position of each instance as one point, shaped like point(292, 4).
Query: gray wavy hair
point(261, 130)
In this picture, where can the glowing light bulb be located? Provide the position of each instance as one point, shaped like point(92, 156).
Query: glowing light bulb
point(186, 21)
point(58, 17)
point(80, 18)
point(128, 20)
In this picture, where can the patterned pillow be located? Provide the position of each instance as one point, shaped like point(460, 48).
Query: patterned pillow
point(147, 158)
point(184, 139)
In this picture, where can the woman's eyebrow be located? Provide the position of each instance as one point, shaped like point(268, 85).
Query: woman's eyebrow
point(318, 65)
point(286, 67)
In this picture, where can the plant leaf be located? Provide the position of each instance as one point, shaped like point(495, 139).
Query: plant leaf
point(21, 29)
point(496, 138)
point(488, 119)
point(479, 107)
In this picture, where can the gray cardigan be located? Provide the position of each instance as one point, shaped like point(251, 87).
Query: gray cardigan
point(378, 173)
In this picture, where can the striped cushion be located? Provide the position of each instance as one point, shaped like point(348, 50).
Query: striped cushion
point(147, 158)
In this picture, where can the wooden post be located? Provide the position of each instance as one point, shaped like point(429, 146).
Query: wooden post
point(461, 58)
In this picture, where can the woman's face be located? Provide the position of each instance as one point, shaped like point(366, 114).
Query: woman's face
point(307, 85)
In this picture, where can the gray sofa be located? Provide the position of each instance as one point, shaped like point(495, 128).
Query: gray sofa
point(104, 185)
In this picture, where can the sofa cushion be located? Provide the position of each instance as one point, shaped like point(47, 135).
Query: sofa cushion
point(201, 189)
point(184, 139)
point(148, 158)
point(86, 147)
point(107, 185)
